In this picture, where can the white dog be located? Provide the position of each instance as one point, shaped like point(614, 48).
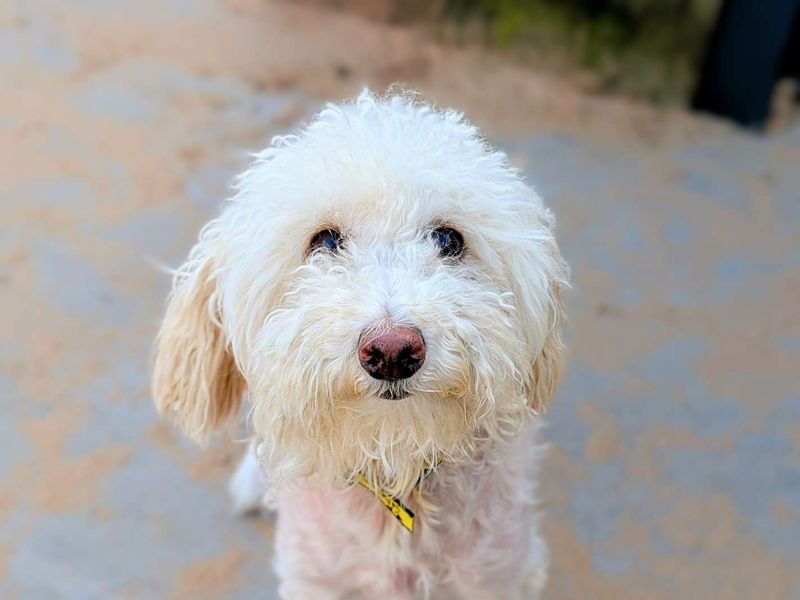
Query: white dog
point(387, 292)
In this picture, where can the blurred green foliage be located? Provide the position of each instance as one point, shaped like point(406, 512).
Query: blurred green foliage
point(648, 48)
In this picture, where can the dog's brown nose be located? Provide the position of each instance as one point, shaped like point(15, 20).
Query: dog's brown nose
point(396, 354)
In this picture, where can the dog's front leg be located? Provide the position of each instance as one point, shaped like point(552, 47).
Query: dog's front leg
point(247, 487)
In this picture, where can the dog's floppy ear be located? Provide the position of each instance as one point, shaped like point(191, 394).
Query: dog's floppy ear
point(549, 364)
point(539, 277)
point(195, 379)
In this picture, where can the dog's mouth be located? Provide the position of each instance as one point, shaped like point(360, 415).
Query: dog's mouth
point(394, 392)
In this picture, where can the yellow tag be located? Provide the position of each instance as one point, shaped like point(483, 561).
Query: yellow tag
point(400, 512)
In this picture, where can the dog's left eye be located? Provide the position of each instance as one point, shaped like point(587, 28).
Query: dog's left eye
point(329, 240)
point(449, 241)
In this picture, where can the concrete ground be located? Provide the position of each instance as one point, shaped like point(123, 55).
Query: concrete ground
point(675, 463)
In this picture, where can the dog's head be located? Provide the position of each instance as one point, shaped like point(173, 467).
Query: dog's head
point(385, 288)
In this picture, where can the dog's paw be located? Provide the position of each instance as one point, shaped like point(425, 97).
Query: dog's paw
point(247, 487)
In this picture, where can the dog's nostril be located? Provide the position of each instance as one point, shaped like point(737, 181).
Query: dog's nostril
point(397, 354)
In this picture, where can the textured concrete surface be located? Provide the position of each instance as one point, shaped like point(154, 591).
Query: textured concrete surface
point(675, 462)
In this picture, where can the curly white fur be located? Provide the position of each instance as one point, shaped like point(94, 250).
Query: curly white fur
point(253, 310)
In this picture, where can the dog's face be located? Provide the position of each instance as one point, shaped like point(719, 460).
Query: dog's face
point(384, 287)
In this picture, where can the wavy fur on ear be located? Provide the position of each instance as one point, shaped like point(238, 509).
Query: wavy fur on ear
point(195, 381)
point(549, 364)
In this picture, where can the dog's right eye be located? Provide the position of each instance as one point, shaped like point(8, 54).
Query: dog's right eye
point(328, 240)
point(449, 241)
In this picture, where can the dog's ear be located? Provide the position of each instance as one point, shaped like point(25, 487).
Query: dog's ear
point(549, 363)
point(540, 276)
point(195, 378)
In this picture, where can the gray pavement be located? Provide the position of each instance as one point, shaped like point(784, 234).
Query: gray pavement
point(674, 470)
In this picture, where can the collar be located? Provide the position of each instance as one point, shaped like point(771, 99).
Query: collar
point(399, 510)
